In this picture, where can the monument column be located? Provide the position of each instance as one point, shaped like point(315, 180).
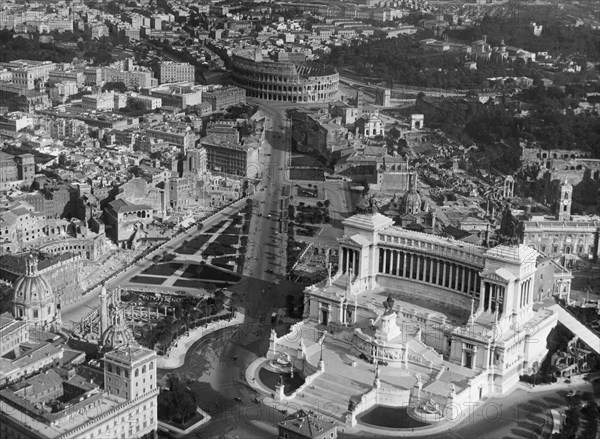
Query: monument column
point(103, 311)
point(480, 307)
point(416, 270)
point(348, 261)
point(444, 268)
point(469, 279)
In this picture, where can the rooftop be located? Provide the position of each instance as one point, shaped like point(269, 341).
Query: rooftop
point(129, 354)
point(307, 424)
point(121, 206)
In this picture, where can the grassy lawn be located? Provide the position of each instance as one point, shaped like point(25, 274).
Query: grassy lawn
point(208, 273)
point(148, 280)
point(163, 269)
point(227, 239)
point(217, 249)
point(198, 241)
point(183, 250)
point(223, 261)
point(190, 283)
point(233, 229)
point(214, 229)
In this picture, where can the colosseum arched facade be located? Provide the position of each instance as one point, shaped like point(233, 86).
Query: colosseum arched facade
point(284, 81)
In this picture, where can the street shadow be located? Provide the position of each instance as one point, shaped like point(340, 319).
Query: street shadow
point(532, 425)
point(553, 400)
point(517, 432)
point(276, 139)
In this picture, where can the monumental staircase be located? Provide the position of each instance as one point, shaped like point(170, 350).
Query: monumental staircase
point(330, 394)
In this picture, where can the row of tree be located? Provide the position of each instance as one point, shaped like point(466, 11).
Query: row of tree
point(556, 38)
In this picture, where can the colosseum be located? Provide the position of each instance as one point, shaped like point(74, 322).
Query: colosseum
point(284, 81)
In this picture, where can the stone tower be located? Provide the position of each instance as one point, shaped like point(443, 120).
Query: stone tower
point(564, 203)
point(412, 199)
point(129, 372)
point(360, 102)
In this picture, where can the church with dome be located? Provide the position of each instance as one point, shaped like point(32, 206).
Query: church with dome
point(113, 331)
point(412, 199)
point(46, 388)
point(34, 301)
point(35, 319)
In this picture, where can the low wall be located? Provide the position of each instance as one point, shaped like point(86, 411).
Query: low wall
point(177, 432)
point(288, 343)
point(281, 396)
point(176, 356)
point(375, 397)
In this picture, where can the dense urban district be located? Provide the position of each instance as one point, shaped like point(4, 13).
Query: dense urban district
point(299, 219)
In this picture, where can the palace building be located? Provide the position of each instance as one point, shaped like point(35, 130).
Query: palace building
point(565, 237)
point(473, 307)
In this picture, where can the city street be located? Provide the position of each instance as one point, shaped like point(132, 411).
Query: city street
point(266, 257)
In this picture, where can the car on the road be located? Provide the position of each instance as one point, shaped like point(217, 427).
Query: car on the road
point(571, 393)
point(237, 399)
point(269, 216)
point(382, 363)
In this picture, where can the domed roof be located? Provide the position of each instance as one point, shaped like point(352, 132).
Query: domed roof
point(32, 287)
point(118, 334)
point(412, 199)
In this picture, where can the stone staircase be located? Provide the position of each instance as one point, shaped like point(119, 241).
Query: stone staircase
point(329, 395)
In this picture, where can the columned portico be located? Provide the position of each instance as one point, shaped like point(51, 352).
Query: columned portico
point(485, 297)
point(430, 270)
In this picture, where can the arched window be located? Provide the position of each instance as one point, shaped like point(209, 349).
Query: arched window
point(144, 368)
point(137, 372)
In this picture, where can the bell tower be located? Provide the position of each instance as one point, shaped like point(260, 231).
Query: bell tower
point(564, 203)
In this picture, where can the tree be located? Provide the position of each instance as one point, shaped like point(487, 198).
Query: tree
point(177, 404)
point(116, 86)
